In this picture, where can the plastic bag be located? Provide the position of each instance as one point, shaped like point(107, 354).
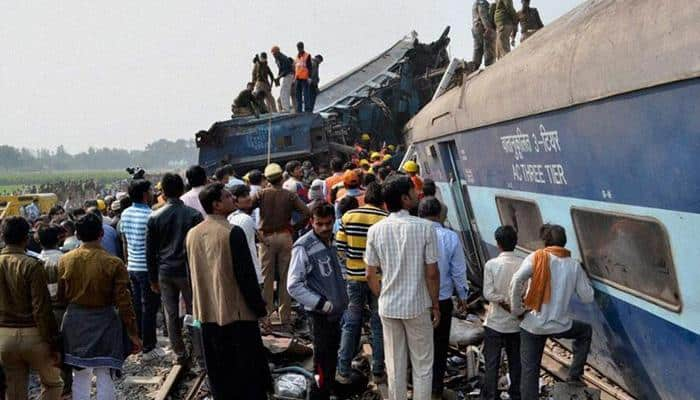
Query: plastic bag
point(292, 386)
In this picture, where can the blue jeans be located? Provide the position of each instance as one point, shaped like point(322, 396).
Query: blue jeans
point(360, 295)
point(146, 305)
point(303, 93)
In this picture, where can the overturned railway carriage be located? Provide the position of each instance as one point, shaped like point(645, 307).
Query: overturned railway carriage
point(594, 124)
point(379, 97)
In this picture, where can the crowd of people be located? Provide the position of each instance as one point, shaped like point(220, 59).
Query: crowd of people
point(84, 286)
point(73, 192)
point(297, 77)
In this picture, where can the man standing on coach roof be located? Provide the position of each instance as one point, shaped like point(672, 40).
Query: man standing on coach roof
point(554, 278)
point(285, 73)
point(302, 77)
point(276, 207)
point(227, 302)
point(146, 302)
point(316, 281)
point(167, 259)
point(404, 247)
point(28, 331)
point(483, 33)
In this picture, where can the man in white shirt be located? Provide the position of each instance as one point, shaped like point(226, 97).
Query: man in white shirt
point(404, 247)
point(502, 329)
point(196, 178)
point(547, 312)
point(242, 219)
point(50, 254)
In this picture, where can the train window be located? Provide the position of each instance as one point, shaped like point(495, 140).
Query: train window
point(630, 253)
point(525, 217)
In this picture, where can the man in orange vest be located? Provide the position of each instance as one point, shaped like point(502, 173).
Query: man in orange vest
point(302, 74)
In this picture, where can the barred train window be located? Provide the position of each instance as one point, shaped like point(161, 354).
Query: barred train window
point(525, 217)
point(630, 253)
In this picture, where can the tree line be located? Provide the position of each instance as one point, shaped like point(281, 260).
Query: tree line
point(157, 155)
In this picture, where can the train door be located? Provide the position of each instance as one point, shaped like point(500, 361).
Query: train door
point(468, 228)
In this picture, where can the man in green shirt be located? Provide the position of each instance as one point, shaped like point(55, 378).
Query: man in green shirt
point(506, 19)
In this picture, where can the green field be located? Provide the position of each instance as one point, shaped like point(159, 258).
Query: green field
point(13, 180)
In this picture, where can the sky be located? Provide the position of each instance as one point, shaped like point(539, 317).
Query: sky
point(123, 74)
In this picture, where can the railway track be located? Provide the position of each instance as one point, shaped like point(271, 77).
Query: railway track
point(172, 382)
point(556, 361)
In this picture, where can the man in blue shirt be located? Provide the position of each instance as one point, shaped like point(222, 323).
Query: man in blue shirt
point(453, 278)
point(110, 240)
point(132, 226)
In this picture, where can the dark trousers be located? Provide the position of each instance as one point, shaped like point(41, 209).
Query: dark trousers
point(313, 92)
point(170, 290)
point(146, 305)
point(532, 347)
point(326, 340)
point(235, 361)
point(3, 383)
point(303, 95)
point(441, 342)
point(494, 341)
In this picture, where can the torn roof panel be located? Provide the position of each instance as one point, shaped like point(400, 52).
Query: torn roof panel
point(360, 80)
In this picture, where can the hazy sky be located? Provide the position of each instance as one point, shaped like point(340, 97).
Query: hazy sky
point(122, 74)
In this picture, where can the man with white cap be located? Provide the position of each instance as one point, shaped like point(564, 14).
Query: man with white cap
point(276, 207)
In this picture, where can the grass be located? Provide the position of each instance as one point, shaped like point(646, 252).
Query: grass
point(12, 180)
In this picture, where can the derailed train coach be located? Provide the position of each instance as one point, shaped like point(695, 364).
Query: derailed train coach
point(378, 97)
point(593, 124)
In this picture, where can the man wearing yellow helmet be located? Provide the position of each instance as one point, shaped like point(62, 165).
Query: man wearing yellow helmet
point(411, 168)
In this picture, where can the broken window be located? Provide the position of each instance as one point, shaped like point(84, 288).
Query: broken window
point(525, 217)
point(630, 253)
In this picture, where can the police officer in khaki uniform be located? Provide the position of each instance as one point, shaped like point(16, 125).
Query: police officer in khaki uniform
point(506, 20)
point(529, 19)
point(483, 33)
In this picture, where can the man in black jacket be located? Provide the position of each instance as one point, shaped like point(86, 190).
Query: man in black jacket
point(167, 259)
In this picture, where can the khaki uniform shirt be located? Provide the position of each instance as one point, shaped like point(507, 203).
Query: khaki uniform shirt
point(90, 277)
point(24, 294)
point(276, 207)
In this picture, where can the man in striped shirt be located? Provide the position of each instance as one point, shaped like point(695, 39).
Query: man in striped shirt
point(351, 240)
point(132, 226)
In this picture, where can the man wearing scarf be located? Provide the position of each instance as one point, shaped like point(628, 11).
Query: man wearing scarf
point(554, 278)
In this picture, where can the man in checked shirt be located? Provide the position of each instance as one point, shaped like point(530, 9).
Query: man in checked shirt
point(405, 248)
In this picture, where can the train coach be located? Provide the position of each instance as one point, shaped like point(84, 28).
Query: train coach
point(594, 124)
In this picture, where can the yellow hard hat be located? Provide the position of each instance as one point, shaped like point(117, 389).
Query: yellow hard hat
point(387, 157)
point(410, 166)
point(365, 137)
point(272, 170)
point(391, 147)
point(101, 205)
point(364, 162)
point(375, 156)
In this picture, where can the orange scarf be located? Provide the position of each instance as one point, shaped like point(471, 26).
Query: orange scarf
point(541, 282)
